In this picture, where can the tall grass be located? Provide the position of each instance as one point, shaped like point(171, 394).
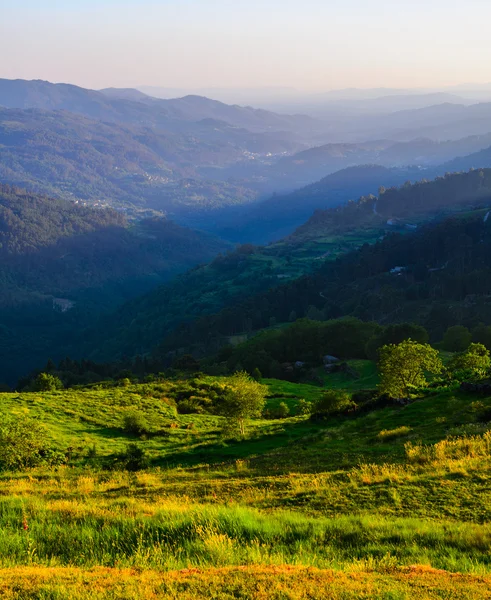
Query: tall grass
point(175, 534)
point(465, 447)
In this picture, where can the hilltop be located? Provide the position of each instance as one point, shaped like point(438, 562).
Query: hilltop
point(172, 115)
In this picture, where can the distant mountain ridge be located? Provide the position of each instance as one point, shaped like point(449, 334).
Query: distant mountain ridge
point(131, 108)
point(279, 215)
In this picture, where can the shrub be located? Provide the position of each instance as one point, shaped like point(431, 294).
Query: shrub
point(475, 362)
point(279, 412)
point(304, 407)
point(134, 423)
point(189, 406)
point(134, 458)
point(23, 444)
point(333, 402)
point(46, 382)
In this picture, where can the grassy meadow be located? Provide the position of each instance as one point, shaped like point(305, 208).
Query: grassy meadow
point(393, 503)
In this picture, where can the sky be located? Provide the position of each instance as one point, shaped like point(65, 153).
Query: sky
point(312, 45)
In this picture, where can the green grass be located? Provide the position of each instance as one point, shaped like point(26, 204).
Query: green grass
point(367, 496)
point(365, 377)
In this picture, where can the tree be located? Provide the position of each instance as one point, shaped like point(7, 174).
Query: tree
point(474, 362)
point(244, 399)
point(457, 338)
point(22, 443)
point(402, 367)
point(46, 382)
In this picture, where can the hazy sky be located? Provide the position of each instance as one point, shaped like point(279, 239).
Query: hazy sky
point(308, 44)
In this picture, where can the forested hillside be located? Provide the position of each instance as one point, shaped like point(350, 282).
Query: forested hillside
point(279, 215)
point(438, 277)
point(74, 157)
point(445, 194)
point(64, 264)
point(237, 283)
point(232, 282)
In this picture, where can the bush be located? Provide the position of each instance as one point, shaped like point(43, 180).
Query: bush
point(134, 458)
point(333, 402)
point(304, 407)
point(134, 423)
point(475, 362)
point(23, 444)
point(280, 412)
point(190, 406)
point(46, 382)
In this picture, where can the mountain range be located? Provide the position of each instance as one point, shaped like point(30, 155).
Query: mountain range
point(110, 194)
point(213, 166)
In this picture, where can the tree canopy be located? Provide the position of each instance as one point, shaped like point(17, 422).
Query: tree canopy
point(244, 399)
point(403, 367)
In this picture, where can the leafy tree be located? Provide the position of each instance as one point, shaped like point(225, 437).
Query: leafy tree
point(457, 338)
point(46, 382)
point(402, 367)
point(22, 443)
point(474, 362)
point(244, 399)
